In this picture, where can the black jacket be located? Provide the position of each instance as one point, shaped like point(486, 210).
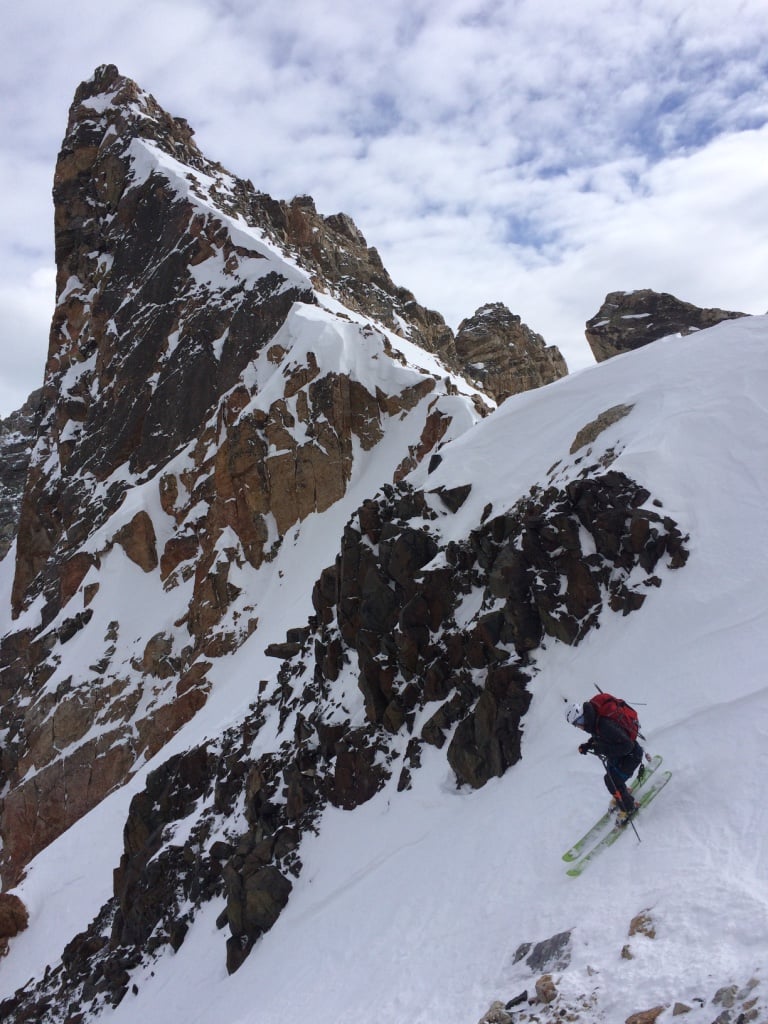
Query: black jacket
point(608, 739)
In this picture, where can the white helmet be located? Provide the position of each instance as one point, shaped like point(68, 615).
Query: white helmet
point(575, 715)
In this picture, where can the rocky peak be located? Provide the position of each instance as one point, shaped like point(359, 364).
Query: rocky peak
point(202, 397)
point(629, 320)
point(337, 255)
point(503, 355)
point(110, 108)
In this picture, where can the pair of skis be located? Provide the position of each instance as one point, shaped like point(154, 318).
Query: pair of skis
point(607, 829)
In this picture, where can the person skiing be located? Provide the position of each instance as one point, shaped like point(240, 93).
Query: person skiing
point(618, 750)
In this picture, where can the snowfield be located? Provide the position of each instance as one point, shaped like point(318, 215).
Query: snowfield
point(410, 909)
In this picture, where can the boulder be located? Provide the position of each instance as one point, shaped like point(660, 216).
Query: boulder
point(646, 1016)
point(629, 320)
point(496, 1014)
point(553, 953)
point(546, 990)
point(14, 917)
point(137, 538)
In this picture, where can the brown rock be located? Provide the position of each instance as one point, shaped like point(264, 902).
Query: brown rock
point(164, 722)
point(503, 355)
point(592, 430)
point(14, 917)
point(642, 924)
point(629, 320)
point(39, 809)
point(496, 1014)
point(646, 1016)
point(335, 247)
point(137, 538)
point(176, 551)
point(546, 992)
point(72, 573)
point(156, 659)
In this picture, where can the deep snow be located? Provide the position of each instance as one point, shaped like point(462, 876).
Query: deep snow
point(410, 909)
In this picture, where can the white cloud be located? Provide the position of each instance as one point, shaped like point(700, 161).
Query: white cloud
point(25, 309)
point(510, 149)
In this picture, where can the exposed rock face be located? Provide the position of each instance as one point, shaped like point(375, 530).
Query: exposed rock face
point(18, 433)
point(629, 320)
point(154, 302)
point(503, 355)
point(336, 253)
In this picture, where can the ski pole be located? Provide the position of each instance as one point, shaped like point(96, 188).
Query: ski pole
point(611, 776)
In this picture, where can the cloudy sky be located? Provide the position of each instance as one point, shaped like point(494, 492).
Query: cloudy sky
point(492, 150)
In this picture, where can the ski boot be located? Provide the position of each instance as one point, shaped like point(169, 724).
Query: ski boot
point(615, 804)
point(624, 816)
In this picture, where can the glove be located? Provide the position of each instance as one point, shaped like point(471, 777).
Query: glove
point(584, 748)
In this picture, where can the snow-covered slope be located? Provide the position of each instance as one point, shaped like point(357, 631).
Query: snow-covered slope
point(413, 906)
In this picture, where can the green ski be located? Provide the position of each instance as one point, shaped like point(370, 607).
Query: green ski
point(643, 798)
point(589, 838)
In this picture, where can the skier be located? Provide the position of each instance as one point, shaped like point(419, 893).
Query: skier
point(619, 752)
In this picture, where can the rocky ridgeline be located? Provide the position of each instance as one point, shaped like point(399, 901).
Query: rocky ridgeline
point(629, 320)
point(553, 995)
point(180, 291)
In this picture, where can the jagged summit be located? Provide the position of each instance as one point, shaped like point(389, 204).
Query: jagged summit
point(504, 355)
point(117, 102)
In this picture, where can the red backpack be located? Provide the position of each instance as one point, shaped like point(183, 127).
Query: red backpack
point(608, 706)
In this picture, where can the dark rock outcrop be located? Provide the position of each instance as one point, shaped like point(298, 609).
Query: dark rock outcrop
point(389, 606)
point(503, 355)
point(629, 320)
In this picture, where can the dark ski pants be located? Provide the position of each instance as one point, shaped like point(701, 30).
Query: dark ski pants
point(618, 773)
